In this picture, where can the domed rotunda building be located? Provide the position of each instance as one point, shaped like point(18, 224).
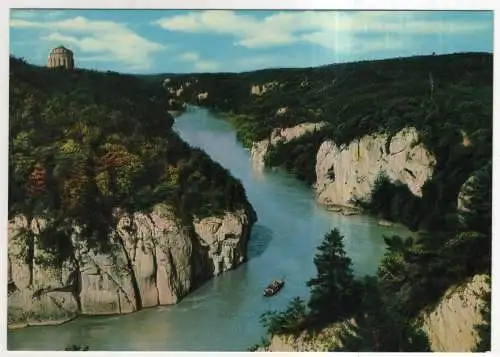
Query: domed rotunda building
point(61, 57)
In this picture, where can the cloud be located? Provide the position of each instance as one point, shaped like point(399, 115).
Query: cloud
point(198, 63)
point(36, 13)
point(336, 30)
point(189, 56)
point(106, 39)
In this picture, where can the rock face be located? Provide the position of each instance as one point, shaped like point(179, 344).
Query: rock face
point(347, 173)
point(450, 326)
point(463, 196)
point(281, 135)
point(259, 90)
point(152, 260)
point(323, 341)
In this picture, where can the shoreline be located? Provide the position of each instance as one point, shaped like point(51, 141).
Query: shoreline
point(20, 325)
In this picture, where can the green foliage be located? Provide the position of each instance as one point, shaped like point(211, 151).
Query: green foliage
point(287, 321)
point(419, 271)
point(374, 316)
point(298, 156)
point(443, 97)
point(380, 326)
point(83, 143)
point(334, 292)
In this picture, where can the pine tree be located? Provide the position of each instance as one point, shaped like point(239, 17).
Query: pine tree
point(334, 293)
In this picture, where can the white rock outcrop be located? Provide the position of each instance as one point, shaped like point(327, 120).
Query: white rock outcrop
point(348, 172)
point(450, 326)
point(225, 237)
point(259, 90)
point(152, 260)
point(281, 135)
point(202, 96)
point(464, 195)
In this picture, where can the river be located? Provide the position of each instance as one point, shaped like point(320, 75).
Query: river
point(224, 313)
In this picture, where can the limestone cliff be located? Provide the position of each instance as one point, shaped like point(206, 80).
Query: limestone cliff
point(281, 135)
point(348, 172)
point(152, 260)
point(450, 325)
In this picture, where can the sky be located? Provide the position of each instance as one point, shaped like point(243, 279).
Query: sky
point(182, 41)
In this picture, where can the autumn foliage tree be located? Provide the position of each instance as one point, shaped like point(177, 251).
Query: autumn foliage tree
point(83, 143)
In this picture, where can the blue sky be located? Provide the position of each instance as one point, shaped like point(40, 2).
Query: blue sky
point(156, 41)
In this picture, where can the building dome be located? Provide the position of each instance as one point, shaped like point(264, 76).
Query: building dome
point(61, 57)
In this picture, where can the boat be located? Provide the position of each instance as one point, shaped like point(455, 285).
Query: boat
point(273, 288)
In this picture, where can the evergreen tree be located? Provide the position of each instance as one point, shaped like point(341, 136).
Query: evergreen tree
point(334, 293)
point(380, 326)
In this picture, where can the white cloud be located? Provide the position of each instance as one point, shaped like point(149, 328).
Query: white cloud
point(39, 14)
point(340, 31)
point(206, 66)
point(189, 56)
point(107, 39)
point(23, 14)
point(198, 63)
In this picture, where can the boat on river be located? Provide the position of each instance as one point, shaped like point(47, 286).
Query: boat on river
point(273, 288)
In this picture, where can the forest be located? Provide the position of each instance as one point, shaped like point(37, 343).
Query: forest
point(447, 98)
point(83, 143)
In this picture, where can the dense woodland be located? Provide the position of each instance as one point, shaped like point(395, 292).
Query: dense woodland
point(83, 143)
point(449, 100)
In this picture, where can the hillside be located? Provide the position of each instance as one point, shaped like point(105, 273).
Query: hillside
point(409, 139)
point(447, 99)
point(98, 181)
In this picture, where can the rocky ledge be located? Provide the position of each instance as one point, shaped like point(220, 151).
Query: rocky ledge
point(346, 173)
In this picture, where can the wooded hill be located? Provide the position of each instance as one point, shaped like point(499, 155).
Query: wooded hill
point(82, 143)
point(448, 98)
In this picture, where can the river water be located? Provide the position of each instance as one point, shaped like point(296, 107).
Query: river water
point(224, 313)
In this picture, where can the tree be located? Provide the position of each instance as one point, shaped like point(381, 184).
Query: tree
point(288, 321)
point(334, 292)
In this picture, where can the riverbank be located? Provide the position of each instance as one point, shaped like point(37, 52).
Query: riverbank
point(231, 301)
point(20, 325)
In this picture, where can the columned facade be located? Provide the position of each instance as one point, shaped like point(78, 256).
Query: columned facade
point(61, 57)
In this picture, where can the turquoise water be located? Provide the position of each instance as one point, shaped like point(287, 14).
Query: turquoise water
point(224, 313)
